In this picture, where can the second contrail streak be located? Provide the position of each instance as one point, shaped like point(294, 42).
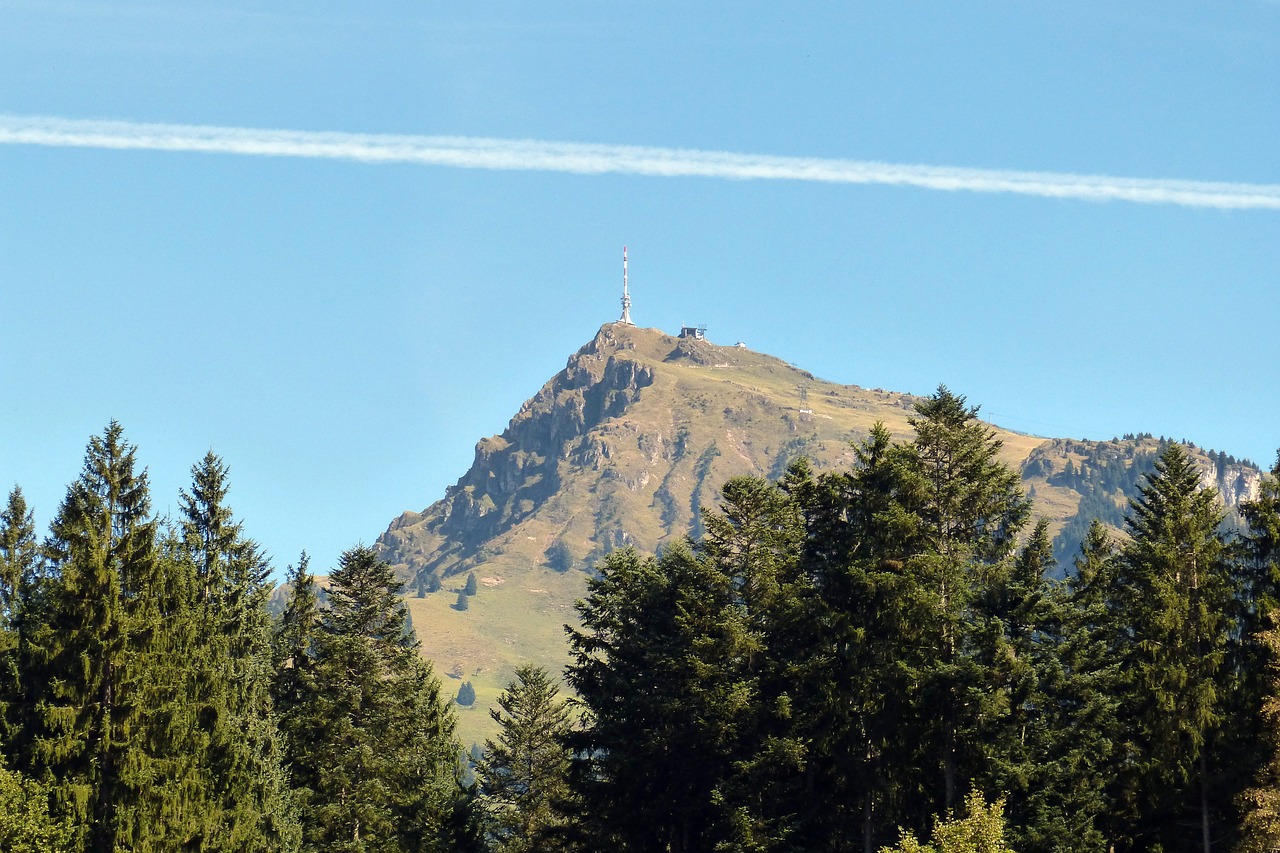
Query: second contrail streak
point(590, 159)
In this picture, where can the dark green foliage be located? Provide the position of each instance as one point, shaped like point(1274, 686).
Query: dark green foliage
point(664, 710)
point(466, 695)
point(88, 634)
point(843, 654)
point(463, 602)
point(1172, 595)
point(144, 666)
point(1258, 660)
point(524, 774)
point(144, 691)
point(19, 559)
point(470, 587)
point(371, 743)
point(1260, 828)
point(252, 806)
point(803, 673)
point(969, 510)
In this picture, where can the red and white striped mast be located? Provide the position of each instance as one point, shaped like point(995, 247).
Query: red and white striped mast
point(626, 295)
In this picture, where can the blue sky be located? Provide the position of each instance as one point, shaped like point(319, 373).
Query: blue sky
point(342, 332)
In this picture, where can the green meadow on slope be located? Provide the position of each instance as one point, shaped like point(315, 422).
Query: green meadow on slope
point(625, 446)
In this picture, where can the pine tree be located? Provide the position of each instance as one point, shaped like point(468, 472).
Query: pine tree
point(1174, 593)
point(663, 710)
point(18, 562)
point(371, 741)
point(523, 776)
point(251, 804)
point(970, 511)
point(100, 657)
point(470, 588)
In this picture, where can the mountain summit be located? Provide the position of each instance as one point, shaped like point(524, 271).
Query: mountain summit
point(628, 443)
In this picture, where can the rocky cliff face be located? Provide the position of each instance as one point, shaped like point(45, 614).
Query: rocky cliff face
point(516, 472)
point(633, 438)
point(1078, 481)
point(625, 446)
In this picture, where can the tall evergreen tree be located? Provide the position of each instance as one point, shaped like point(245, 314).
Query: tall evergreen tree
point(378, 760)
point(1174, 594)
point(100, 649)
point(19, 555)
point(1071, 803)
point(1258, 661)
point(74, 719)
point(524, 774)
point(855, 680)
point(1261, 803)
point(663, 711)
point(295, 688)
point(970, 511)
point(251, 806)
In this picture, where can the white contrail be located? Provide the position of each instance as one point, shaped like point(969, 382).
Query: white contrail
point(481, 153)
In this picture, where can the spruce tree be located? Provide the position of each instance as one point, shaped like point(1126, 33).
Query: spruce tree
point(1258, 660)
point(524, 774)
point(294, 688)
point(1017, 620)
point(1174, 593)
point(19, 557)
point(664, 711)
point(251, 805)
point(74, 655)
point(371, 740)
point(1072, 802)
point(100, 658)
point(970, 510)
point(1261, 803)
point(754, 544)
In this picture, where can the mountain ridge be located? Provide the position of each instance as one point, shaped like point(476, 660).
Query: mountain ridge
point(627, 444)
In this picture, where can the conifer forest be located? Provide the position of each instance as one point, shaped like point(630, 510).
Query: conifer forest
point(879, 658)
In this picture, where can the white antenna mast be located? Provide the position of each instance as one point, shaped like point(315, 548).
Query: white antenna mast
point(626, 295)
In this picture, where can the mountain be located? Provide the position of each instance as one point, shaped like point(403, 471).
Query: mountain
point(628, 444)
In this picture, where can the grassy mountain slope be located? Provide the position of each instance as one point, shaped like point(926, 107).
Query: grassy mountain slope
point(624, 447)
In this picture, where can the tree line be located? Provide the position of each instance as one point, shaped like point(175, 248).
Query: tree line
point(867, 658)
point(149, 702)
point(851, 660)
